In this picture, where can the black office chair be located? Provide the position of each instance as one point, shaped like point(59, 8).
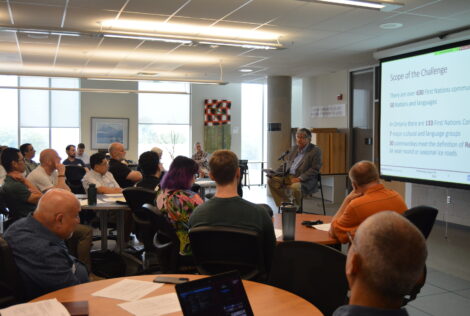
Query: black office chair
point(11, 284)
point(4, 211)
point(74, 175)
point(243, 164)
point(312, 271)
point(319, 187)
point(136, 197)
point(160, 241)
point(423, 217)
point(218, 249)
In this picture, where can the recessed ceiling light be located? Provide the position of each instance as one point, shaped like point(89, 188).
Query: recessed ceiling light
point(390, 26)
point(245, 70)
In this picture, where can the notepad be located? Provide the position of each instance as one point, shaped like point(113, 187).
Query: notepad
point(128, 290)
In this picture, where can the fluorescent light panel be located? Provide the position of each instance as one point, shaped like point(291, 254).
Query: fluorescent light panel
point(191, 30)
point(383, 5)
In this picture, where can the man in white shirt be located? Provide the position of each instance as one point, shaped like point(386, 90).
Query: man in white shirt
point(50, 174)
point(100, 176)
point(81, 154)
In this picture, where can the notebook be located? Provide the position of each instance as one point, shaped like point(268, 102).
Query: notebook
point(221, 294)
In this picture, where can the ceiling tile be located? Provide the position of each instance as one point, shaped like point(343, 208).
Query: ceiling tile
point(309, 14)
point(210, 9)
point(154, 7)
point(44, 16)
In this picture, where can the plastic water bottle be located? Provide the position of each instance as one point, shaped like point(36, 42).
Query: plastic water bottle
point(91, 192)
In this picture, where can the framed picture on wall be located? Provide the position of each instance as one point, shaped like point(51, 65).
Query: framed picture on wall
point(105, 131)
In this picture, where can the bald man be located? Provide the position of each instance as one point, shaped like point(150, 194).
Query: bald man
point(368, 197)
point(38, 247)
point(124, 176)
point(50, 174)
point(385, 262)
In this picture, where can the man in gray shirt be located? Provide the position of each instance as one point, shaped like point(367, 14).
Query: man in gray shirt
point(227, 208)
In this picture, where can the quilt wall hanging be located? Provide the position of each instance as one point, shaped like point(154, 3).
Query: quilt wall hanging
point(217, 129)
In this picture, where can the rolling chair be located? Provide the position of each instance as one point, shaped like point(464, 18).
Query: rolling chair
point(11, 288)
point(218, 249)
point(313, 271)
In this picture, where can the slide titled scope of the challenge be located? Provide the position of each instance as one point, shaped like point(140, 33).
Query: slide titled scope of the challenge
point(425, 116)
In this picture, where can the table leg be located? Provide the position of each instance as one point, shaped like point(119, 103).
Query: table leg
point(104, 229)
point(120, 231)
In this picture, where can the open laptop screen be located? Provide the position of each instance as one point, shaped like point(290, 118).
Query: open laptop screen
point(222, 294)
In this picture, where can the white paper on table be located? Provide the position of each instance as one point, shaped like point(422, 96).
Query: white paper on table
point(83, 202)
point(324, 227)
point(277, 232)
point(113, 198)
point(50, 307)
point(128, 290)
point(157, 305)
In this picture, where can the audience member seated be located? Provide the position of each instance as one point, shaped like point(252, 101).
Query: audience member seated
point(71, 159)
point(28, 153)
point(124, 176)
point(368, 197)
point(3, 172)
point(50, 174)
point(38, 247)
point(100, 176)
point(227, 208)
point(81, 154)
point(176, 199)
point(149, 165)
point(303, 163)
point(385, 261)
point(159, 152)
point(200, 157)
point(21, 196)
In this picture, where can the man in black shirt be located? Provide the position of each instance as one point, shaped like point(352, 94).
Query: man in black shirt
point(149, 165)
point(71, 160)
point(124, 176)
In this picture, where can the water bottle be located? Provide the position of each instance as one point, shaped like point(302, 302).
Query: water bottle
point(288, 221)
point(91, 192)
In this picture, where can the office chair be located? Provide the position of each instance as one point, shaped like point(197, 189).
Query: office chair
point(136, 197)
point(218, 249)
point(74, 176)
point(11, 284)
point(423, 217)
point(243, 164)
point(319, 187)
point(160, 241)
point(312, 271)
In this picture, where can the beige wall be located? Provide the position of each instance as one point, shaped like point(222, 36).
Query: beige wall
point(322, 90)
point(110, 105)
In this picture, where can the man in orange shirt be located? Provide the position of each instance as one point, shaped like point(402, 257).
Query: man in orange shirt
point(367, 198)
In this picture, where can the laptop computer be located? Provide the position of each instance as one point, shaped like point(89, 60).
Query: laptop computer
point(221, 294)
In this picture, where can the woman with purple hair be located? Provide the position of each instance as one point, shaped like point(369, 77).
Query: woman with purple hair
point(177, 200)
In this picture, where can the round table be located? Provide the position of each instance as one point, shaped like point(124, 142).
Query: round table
point(264, 299)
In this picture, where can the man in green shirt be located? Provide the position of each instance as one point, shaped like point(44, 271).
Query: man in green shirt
point(21, 196)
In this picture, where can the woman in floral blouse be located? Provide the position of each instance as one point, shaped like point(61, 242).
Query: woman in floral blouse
point(177, 200)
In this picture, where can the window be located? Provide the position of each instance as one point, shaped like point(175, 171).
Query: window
point(165, 120)
point(44, 118)
point(253, 129)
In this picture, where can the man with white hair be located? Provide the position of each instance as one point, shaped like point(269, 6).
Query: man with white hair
point(385, 262)
point(38, 247)
point(202, 160)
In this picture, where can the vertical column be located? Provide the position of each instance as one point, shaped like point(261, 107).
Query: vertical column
point(279, 117)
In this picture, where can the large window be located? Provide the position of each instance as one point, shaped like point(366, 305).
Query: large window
point(165, 119)
point(44, 118)
point(254, 129)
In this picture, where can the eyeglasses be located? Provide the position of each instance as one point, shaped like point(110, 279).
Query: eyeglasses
point(351, 240)
point(300, 136)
